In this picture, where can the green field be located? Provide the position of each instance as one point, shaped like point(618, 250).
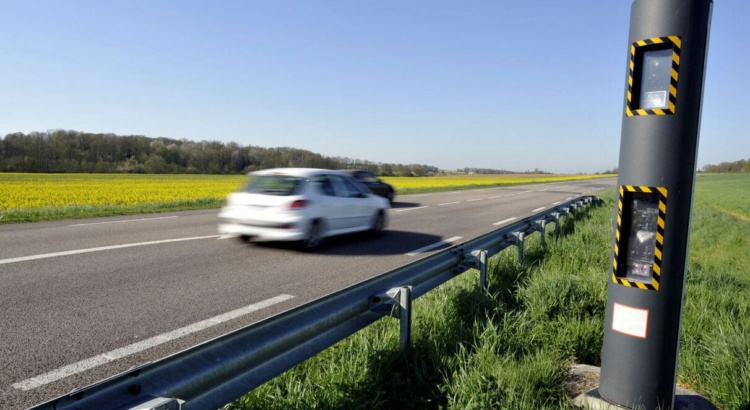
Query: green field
point(510, 347)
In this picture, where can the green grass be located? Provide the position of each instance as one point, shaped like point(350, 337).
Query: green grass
point(510, 346)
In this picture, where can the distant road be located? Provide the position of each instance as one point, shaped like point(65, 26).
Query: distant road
point(82, 300)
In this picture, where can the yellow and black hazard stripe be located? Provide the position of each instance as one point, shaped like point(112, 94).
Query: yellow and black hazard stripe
point(659, 43)
point(659, 242)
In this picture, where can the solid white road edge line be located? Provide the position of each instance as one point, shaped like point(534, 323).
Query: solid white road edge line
point(433, 246)
point(113, 355)
point(127, 220)
point(99, 249)
point(537, 210)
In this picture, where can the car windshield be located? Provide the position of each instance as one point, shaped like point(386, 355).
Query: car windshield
point(273, 184)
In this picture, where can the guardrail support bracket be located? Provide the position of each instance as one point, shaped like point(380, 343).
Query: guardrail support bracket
point(159, 403)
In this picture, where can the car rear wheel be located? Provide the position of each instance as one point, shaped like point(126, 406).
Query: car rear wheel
point(314, 238)
point(378, 223)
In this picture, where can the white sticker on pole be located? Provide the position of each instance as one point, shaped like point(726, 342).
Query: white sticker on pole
point(630, 321)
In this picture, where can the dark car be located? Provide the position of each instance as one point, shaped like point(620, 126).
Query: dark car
point(373, 182)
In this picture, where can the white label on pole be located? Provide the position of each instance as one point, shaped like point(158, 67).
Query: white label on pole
point(630, 321)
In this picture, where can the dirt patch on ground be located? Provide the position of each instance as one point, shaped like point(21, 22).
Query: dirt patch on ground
point(582, 378)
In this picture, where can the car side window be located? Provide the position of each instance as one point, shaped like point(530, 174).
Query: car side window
point(327, 187)
point(324, 184)
point(352, 191)
point(344, 187)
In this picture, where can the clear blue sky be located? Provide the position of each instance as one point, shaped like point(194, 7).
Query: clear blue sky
point(492, 84)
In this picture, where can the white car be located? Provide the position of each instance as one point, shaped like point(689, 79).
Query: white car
point(301, 204)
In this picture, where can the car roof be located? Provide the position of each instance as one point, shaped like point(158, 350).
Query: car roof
point(353, 171)
point(296, 172)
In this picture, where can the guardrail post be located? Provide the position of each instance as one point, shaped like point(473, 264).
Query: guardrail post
point(404, 316)
point(396, 302)
point(481, 263)
point(556, 217)
point(541, 225)
point(518, 241)
point(402, 310)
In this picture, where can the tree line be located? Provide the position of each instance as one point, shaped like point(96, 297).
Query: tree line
point(67, 151)
point(742, 165)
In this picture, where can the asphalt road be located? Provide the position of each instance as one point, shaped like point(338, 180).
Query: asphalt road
point(82, 300)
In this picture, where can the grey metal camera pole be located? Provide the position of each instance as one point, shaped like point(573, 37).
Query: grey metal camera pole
point(667, 50)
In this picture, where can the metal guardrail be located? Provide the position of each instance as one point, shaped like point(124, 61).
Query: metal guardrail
point(221, 370)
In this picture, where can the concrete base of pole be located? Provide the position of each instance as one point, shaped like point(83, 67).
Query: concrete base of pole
point(583, 388)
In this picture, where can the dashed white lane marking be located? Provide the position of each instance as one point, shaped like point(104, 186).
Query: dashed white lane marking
point(525, 192)
point(505, 196)
point(433, 246)
point(569, 198)
point(504, 221)
point(126, 220)
point(449, 203)
point(410, 209)
point(474, 200)
point(99, 249)
point(556, 203)
point(493, 197)
point(113, 355)
point(538, 209)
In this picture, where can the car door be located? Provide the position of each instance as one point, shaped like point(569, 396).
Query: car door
point(353, 209)
point(328, 202)
point(363, 208)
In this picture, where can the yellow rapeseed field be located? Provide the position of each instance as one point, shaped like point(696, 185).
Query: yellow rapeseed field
point(409, 183)
point(45, 191)
point(32, 191)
